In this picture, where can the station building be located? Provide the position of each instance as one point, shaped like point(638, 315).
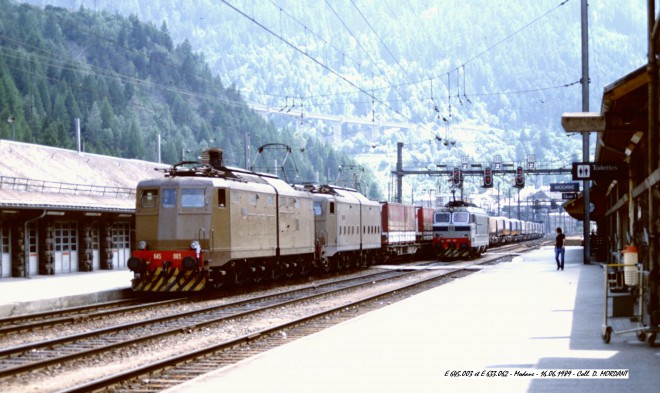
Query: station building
point(625, 177)
point(64, 211)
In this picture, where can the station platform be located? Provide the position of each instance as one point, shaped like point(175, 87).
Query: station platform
point(42, 293)
point(524, 318)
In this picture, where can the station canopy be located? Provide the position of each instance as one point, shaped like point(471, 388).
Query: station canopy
point(620, 125)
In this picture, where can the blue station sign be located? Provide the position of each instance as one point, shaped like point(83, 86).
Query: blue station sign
point(564, 187)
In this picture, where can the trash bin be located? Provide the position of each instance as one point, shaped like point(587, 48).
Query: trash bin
point(630, 271)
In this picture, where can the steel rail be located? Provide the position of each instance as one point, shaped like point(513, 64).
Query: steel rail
point(104, 383)
point(50, 344)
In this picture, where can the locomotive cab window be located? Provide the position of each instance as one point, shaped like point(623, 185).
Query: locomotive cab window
point(169, 197)
point(192, 197)
point(442, 218)
point(318, 208)
point(222, 197)
point(332, 208)
point(461, 218)
point(149, 198)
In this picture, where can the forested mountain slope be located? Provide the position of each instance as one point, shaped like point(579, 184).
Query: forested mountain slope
point(130, 84)
point(492, 77)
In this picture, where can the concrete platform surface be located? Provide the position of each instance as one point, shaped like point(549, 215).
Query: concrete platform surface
point(521, 317)
point(42, 293)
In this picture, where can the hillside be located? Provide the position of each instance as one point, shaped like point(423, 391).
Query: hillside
point(492, 77)
point(130, 85)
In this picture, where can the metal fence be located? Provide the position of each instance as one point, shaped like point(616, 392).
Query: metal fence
point(46, 186)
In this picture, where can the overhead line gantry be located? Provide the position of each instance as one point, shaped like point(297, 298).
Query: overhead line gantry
point(400, 172)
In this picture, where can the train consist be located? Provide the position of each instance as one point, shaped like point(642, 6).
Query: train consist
point(205, 226)
point(463, 230)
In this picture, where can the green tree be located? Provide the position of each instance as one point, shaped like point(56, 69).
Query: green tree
point(10, 97)
point(71, 105)
point(56, 134)
point(135, 147)
point(108, 118)
point(165, 39)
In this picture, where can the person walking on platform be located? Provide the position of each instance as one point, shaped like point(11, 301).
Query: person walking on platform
point(559, 249)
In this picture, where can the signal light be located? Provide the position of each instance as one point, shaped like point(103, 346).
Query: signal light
point(488, 177)
point(456, 178)
point(520, 177)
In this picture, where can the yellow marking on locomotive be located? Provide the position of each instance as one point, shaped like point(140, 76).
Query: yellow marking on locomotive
point(201, 285)
point(172, 279)
point(162, 280)
point(178, 280)
point(189, 285)
point(157, 276)
point(148, 284)
point(157, 285)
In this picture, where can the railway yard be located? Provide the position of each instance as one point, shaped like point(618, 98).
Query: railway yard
point(207, 276)
point(147, 345)
point(491, 305)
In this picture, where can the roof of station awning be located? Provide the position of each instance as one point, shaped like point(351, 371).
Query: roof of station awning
point(623, 118)
point(625, 107)
point(621, 124)
point(42, 177)
point(10, 199)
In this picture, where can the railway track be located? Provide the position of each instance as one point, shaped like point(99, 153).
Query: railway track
point(49, 319)
point(178, 369)
point(77, 315)
point(37, 355)
point(66, 350)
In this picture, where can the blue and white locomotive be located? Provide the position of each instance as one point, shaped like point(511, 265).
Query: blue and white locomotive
point(460, 230)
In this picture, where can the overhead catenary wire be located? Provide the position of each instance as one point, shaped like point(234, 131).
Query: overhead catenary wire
point(318, 62)
point(49, 58)
point(419, 82)
point(361, 46)
point(65, 61)
point(398, 63)
point(432, 96)
point(310, 98)
point(307, 30)
point(312, 32)
point(488, 49)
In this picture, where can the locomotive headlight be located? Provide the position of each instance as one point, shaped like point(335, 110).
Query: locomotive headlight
point(194, 245)
point(142, 245)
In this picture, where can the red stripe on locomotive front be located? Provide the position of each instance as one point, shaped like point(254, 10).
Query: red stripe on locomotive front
point(155, 259)
point(455, 242)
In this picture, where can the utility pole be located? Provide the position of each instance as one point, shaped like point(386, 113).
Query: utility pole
point(247, 150)
point(399, 172)
point(585, 135)
point(653, 159)
point(499, 213)
point(12, 120)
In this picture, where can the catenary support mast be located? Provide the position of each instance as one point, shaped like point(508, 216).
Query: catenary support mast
point(585, 135)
